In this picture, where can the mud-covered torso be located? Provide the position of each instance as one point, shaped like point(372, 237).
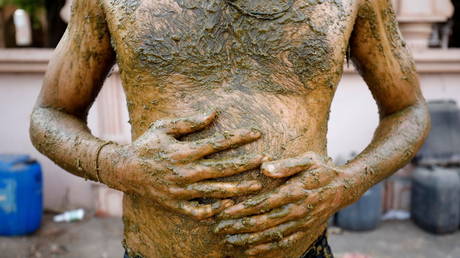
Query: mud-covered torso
point(199, 37)
point(184, 54)
point(269, 64)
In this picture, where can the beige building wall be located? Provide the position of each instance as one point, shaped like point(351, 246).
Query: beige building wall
point(18, 93)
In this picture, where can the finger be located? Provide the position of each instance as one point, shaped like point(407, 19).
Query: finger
point(282, 244)
point(316, 178)
point(261, 222)
point(216, 189)
point(269, 235)
point(314, 219)
point(198, 149)
point(289, 167)
point(196, 210)
point(182, 126)
point(208, 169)
point(287, 193)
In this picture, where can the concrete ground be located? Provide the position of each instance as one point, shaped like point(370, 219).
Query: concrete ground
point(395, 239)
point(90, 238)
point(101, 238)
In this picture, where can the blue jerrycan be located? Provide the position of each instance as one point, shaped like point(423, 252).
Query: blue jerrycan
point(21, 201)
point(435, 199)
point(365, 214)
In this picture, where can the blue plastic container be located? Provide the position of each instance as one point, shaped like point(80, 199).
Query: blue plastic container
point(435, 199)
point(364, 214)
point(21, 201)
point(442, 147)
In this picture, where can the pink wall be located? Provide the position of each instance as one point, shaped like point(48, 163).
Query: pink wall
point(18, 93)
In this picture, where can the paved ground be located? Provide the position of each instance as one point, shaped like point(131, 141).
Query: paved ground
point(101, 238)
point(396, 240)
point(91, 238)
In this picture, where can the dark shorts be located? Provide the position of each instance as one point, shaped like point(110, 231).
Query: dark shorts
point(319, 249)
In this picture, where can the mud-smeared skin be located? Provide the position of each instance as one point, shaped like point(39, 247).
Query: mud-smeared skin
point(264, 66)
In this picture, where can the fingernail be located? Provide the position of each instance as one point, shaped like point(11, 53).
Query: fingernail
point(218, 228)
point(223, 215)
point(227, 203)
point(255, 132)
point(255, 186)
point(223, 225)
point(233, 239)
point(266, 158)
point(270, 168)
point(230, 239)
point(210, 113)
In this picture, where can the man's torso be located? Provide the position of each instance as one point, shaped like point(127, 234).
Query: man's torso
point(273, 65)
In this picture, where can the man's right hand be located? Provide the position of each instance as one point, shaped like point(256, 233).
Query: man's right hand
point(173, 172)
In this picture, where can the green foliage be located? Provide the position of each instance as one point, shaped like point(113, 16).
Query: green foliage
point(31, 6)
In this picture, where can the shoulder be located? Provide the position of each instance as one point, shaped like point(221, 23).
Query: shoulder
point(376, 12)
point(85, 8)
point(375, 5)
point(88, 16)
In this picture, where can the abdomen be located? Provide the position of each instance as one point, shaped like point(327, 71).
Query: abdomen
point(290, 127)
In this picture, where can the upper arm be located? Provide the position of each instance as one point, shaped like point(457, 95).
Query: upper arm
point(381, 57)
point(80, 62)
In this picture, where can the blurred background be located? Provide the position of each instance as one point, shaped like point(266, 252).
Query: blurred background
point(415, 213)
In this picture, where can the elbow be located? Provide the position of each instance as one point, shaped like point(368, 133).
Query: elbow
point(34, 128)
point(414, 120)
point(423, 119)
point(37, 129)
point(421, 122)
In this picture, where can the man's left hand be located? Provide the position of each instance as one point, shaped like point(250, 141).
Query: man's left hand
point(277, 219)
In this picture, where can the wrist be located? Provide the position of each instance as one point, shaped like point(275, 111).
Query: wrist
point(108, 164)
point(353, 185)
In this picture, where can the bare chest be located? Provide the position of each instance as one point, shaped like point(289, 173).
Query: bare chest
point(202, 37)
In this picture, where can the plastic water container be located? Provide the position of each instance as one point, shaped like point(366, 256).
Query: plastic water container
point(458, 173)
point(364, 214)
point(442, 147)
point(435, 199)
point(21, 201)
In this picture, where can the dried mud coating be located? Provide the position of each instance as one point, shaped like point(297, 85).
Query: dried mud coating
point(268, 66)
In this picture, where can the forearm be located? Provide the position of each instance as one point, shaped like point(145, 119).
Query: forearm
point(396, 140)
point(67, 141)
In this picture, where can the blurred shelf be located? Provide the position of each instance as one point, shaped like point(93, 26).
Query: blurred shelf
point(24, 60)
point(432, 61)
point(36, 60)
point(438, 60)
